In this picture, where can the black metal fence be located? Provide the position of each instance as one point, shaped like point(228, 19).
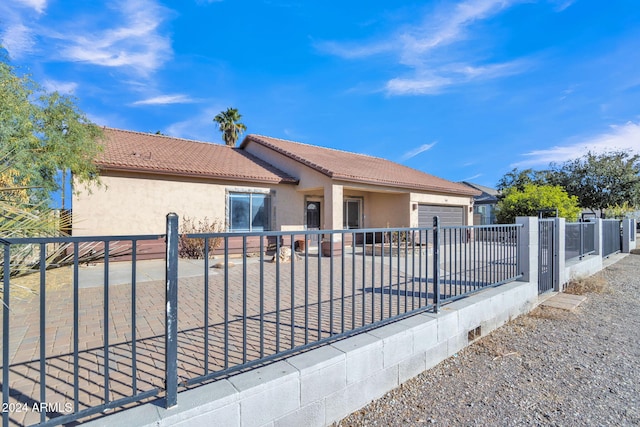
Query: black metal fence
point(79, 349)
point(580, 239)
point(611, 237)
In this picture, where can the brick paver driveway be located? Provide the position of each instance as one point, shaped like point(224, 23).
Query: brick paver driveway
point(278, 306)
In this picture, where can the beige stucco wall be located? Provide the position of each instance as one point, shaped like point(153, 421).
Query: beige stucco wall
point(389, 210)
point(138, 204)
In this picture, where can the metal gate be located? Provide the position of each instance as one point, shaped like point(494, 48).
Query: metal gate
point(546, 255)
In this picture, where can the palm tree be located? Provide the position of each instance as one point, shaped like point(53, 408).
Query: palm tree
point(230, 126)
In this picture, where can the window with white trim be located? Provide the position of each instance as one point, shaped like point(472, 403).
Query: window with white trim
point(249, 212)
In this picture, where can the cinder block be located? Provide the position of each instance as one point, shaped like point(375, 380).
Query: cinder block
point(436, 354)
point(308, 416)
point(469, 317)
point(411, 367)
point(447, 324)
point(146, 415)
point(267, 393)
point(272, 403)
point(322, 372)
point(424, 328)
point(336, 406)
point(359, 394)
point(457, 343)
point(397, 343)
point(263, 378)
point(364, 355)
point(227, 416)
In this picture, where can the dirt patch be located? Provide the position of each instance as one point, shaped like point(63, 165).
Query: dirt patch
point(595, 284)
point(548, 313)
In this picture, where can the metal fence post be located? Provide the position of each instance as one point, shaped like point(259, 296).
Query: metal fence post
point(5, 330)
point(436, 263)
point(171, 314)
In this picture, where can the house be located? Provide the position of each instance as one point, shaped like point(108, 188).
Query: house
point(264, 184)
point(484, 205)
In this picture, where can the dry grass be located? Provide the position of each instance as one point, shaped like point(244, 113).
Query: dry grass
point(595, 284)
point(28, 286)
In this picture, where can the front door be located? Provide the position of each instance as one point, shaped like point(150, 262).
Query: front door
point(313, 220)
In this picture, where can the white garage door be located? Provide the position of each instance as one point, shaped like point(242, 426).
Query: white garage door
point(449, 215)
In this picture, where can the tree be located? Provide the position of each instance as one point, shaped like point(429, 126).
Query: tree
point(519, 178)
point(230, 126)
point(533, 198)
point(602, 180)
point(42, 134)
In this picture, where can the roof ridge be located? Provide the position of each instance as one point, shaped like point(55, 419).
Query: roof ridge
point(155, 135)
point(319, 146)
point(350, 152)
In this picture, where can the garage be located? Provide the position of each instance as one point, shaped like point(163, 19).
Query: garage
point(449, 215)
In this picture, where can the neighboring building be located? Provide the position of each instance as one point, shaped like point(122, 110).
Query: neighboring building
point(265, 184)
point(484, 205)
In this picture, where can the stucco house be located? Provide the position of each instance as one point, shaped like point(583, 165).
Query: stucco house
point(264, 184)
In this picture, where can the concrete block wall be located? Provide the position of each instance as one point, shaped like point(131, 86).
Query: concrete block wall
point(326, 384)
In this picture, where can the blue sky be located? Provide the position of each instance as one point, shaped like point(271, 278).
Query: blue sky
point(465, 90)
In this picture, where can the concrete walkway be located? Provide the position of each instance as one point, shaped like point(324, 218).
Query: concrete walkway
point(563, 301)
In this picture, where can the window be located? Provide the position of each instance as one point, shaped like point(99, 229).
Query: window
point(249, 212)
point(351, 213)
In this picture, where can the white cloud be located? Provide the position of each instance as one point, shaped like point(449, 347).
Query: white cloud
point(200, 127)
point(18, 40)
point(137, 44)
point(624, 137)
point(424, 49)
point(132, 38)
point(37, 5)
point(165, 99)
point(456, 74)
point(561, 5)
point(421, 149)
point(471, 178)
point(62, 87)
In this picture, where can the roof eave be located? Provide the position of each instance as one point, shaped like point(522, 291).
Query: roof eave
point(178, 174)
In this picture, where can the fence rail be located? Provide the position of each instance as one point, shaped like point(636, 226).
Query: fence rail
point(120, 341)
point(580, 239)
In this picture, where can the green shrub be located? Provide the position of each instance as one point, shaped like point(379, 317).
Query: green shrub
point(533, 198)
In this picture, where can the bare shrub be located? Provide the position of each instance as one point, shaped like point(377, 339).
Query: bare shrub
point(193, 247)
point(596, 284)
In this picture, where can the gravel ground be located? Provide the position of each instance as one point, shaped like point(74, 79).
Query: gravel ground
point(550, 367)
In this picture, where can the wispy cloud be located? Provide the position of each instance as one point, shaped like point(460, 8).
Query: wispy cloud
point(165, 100)
point(132, 39)
point(471, 178)
point(200, 127)
point(62, 87)
point(432, 83)
point(37, 5)
point(421, 149)
point(620, 137)
point(561, 5)
point(137, 44)
point(17, 39)
point(424, 50)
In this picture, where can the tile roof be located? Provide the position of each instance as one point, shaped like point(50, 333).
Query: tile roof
point(361, 168)
point(143, 152)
